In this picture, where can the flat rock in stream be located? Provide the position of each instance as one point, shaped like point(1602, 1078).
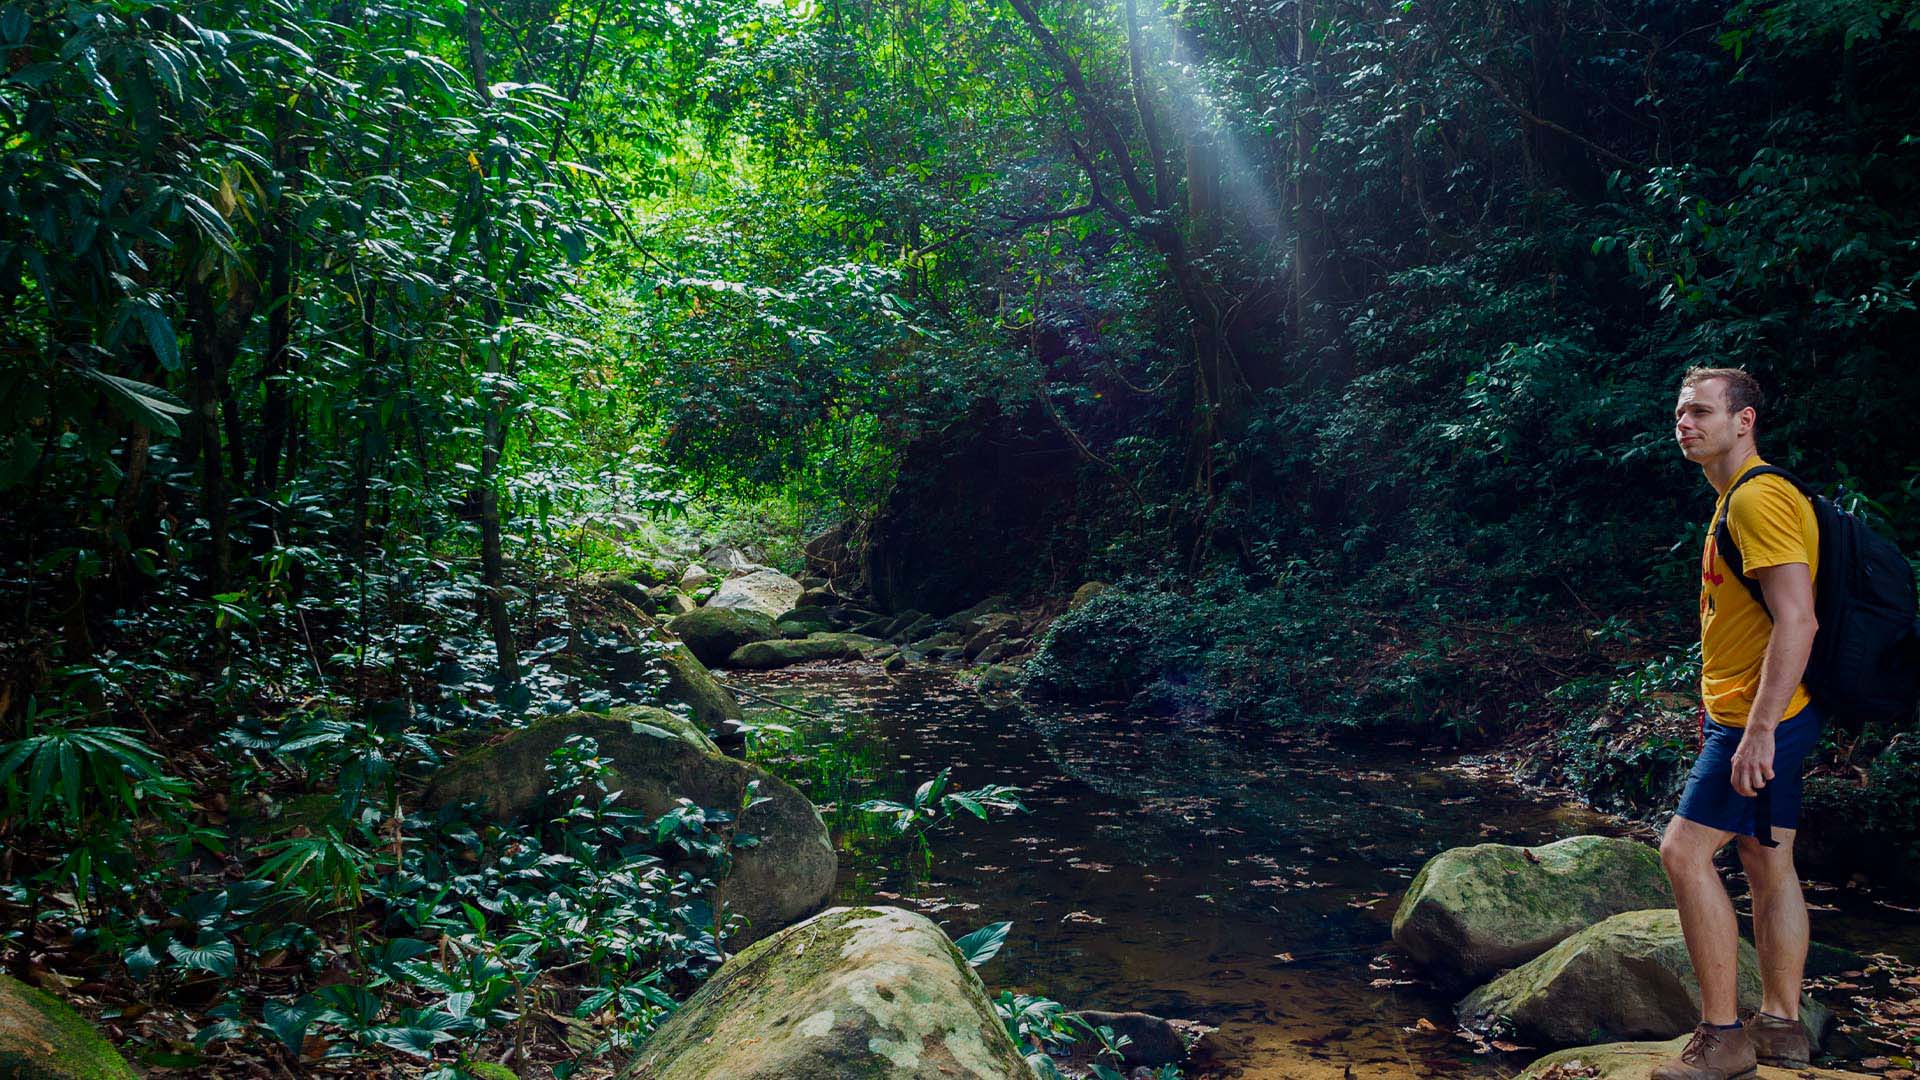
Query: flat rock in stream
point(866, 993)
point(766, 655)
point(1475, 910)
point(659, 757)
point(1636, 1060)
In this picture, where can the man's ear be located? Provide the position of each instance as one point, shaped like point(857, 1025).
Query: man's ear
point(1751, 417)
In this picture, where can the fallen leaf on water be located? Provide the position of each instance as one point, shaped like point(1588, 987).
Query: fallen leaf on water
point(1081, 917)
point(1284, 957)
point(1428, 1027)
point(1874, 1063)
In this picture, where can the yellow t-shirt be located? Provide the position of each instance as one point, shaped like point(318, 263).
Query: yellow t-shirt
point(1772, 525)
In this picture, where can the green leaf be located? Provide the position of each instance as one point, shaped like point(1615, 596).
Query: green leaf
point(212, 952)
point(289, 1022)
point(983, 944)
point(142, 403)
point(159, 328)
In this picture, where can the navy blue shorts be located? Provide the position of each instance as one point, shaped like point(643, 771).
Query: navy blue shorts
point(1710, 799)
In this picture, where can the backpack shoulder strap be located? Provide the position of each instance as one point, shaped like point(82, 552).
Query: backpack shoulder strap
point(1723, 536)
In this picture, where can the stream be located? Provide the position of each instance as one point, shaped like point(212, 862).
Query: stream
point(1246, 879)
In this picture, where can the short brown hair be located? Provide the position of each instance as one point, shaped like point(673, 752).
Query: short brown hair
point(1743, 390)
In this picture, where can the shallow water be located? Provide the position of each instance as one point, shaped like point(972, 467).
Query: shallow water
point(1245, 879)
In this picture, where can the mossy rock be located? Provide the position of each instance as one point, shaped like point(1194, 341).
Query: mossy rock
point(712, 634)
point(766, 655)
point(1636, 1061)
point(800, 622)
point(768, 592)
point(1087, 592)
point(1626, 977)
point(659, 757)
point(850, 994)
point(1475, 910)
point(487, 1070)
point(42, 1038)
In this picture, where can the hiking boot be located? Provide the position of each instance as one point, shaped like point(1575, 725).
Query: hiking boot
point(1712, 1054)
point(1778, 1042)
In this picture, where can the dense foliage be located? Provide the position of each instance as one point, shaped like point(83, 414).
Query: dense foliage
point(333, 337)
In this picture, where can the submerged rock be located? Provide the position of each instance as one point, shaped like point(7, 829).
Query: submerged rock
point(42, 1038)
point(659, 757)
point(1474, 910)
point(1153, 1042)
point(713, 633)
point(1626, 977)
point(852, 992)
point(769, 592)
point(765, 655)
point(1635, 1061)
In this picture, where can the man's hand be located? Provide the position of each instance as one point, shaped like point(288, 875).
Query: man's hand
point(1753, 761)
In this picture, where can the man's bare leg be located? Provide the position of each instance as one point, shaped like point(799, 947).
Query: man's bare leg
point(1706, 915)
point(1779, 922)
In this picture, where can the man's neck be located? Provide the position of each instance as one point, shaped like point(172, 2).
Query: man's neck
point(1722, 470)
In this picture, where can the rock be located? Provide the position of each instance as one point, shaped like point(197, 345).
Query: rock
point(992, 653)
point(712, 633)
point(851, 992)
point(833, 556)
point(487, 1070)
point(964, 621)
point(945, 639)
point(695, 577)
point(765, 655)
point(658, 758)
point(989, 629)
point(1474, 910)
point(42, 1038)
point(731, 561)
point(679, 604)
point(1087, 592)
point(895, 663)
point(921, 626)
point(620, 637)
point(812, 581)
point(815, 597)
point(1635, 1061)
point(1626, 977)
point(652, 572)
point(769, 592)
point(999, 677)
point(1154, 1041)
point(813, 620)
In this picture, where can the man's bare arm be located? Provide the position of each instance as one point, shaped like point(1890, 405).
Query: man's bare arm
point(1788, 588)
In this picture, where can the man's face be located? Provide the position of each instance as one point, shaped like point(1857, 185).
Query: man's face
point(1702, 423)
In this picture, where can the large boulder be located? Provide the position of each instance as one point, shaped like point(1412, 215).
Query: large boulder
point(658, 757)
point(1474, 910)
point(712, 633)
point(1635, 1061)
point(852, 992)
point(769, 592)
point(766, 655)
point(1151, 1041)
point(42, 1038)
point(730, 561)
point(1626, 977)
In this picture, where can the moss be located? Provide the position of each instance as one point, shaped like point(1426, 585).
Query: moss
point(487, 1070)
point(43, 1038)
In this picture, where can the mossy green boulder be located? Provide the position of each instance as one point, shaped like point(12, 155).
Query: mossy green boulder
point(42, 1038)
point(1636, 1060)
point(1475, 910)
point(851, 994)
point(658, 757)
point(712, 634)
point(622, 639)
point(1626, 977)
point(766, 655)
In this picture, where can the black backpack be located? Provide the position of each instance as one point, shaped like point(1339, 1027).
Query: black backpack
point(1865, 663)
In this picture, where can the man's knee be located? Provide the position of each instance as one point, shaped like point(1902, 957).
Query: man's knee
point(1768, 865)
point(1687, 847)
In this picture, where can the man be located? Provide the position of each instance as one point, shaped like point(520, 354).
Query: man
point(1757, 726)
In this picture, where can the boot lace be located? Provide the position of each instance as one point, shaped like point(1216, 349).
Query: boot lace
point(1704, 1040)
